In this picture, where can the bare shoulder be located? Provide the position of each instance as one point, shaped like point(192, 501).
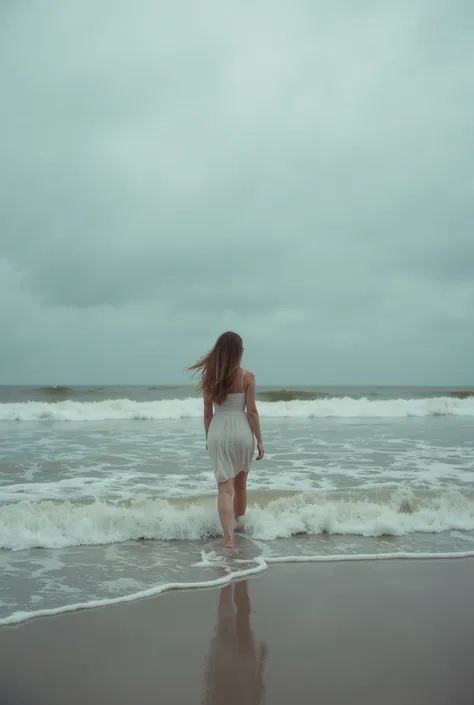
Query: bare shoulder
point(249, 379)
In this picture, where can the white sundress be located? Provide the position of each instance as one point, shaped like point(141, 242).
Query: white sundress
point(230, 439)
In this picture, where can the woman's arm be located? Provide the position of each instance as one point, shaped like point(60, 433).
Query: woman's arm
point(252, 413)
point(208, 414)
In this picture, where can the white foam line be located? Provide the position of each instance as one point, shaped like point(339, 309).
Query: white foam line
point(18, 617)
point(366, 557)
point(262, 564)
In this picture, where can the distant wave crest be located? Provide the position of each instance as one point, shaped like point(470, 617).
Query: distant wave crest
point(57, 390)
point(291, 394)
point(285, 394)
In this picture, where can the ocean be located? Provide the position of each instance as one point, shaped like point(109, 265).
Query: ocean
point(106, 493)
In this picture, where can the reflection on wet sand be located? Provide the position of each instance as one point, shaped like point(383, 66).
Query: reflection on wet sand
point(234, 672)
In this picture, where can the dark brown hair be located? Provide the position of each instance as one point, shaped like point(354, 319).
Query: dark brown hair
point(218, 367)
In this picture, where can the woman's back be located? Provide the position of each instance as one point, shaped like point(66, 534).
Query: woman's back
point(235, 401)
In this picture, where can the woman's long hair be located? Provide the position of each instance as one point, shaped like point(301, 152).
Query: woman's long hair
point(218, 367)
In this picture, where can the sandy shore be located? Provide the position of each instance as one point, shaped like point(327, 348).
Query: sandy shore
point(372, 633)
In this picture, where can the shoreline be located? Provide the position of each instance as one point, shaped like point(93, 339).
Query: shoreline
point(262, 564)
point(365, 632)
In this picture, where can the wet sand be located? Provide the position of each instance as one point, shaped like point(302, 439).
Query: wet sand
point(371, 633)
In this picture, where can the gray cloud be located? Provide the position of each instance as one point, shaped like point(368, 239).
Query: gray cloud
point(302, 173)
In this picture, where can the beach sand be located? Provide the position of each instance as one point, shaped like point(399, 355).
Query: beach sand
point(368, 633)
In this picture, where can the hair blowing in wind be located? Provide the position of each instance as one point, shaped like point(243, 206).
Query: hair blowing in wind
point(218, 367)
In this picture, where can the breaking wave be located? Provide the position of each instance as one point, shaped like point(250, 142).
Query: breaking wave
point(123, 409)
point(58, 524)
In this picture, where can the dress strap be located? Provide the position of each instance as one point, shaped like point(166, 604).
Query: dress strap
point(242, 380)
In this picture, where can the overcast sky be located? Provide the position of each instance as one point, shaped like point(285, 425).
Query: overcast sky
point(301, 172)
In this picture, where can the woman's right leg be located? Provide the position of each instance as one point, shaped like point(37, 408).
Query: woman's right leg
point(226, 514)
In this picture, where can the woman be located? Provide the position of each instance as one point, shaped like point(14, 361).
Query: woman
point(230, 422)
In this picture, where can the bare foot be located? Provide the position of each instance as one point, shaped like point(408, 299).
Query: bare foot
point(229, 544)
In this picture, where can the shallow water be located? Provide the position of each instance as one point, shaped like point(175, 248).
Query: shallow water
point(106, 509)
